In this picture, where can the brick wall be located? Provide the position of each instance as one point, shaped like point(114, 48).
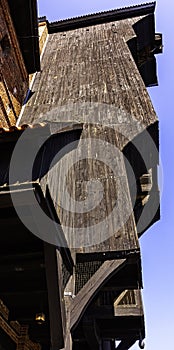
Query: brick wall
point(14, 79)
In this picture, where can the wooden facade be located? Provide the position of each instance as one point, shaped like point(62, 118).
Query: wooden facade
point(94, 175)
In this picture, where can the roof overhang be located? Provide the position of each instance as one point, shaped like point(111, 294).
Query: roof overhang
point(102, 17)
point(143, 47)
point(24, 16)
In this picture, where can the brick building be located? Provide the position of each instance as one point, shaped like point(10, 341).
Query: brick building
point(14, 77)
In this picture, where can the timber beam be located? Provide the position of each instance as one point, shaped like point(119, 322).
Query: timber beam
point(54, 297)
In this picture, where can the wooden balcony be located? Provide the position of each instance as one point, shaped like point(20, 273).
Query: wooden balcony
point(110, 319)
point(129, 303)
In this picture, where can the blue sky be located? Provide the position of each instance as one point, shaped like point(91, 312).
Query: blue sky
point(157, 243)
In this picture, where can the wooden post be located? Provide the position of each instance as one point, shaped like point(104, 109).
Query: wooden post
point(54, 297)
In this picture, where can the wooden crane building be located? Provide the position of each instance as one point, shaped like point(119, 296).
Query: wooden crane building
point(73, 96)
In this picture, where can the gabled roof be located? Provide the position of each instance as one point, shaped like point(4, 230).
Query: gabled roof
point(102, 17)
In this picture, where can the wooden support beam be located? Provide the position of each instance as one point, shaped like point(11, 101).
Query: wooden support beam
point(54, 297)
point(68, 293)
point(22, 197)
point(67, 338)
point(88, 292)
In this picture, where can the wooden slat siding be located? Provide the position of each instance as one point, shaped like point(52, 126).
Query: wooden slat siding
point(94, 240)
point(88, 292)
point(90, 65)
point(129, 311)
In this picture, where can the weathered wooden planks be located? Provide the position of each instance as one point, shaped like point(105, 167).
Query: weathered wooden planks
point(89, 76)
point(84, 297)
point(91, 65)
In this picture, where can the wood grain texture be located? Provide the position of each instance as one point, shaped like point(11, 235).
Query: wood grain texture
point(89, 77)
point(96, 211)
point(90, 66)
point(84, 297)
point(129, 303)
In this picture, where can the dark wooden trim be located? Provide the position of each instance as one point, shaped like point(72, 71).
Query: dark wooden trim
point(54, 297)
point(102, 17)
point(22, 197)
point(64, 249)
point(24, 16)
point(108, 255)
